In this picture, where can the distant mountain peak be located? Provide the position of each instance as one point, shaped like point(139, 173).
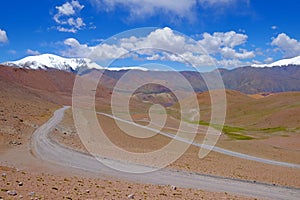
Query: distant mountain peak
point(51, 61)
point(48, 61)
point(283, 62)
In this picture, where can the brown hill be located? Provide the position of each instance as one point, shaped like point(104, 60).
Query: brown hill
point(274, 112)
point(52, 85)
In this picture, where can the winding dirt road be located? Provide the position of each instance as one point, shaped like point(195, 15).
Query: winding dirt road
point(213, 148)
point(46, 149)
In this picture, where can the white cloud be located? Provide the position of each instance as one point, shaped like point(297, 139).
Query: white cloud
point(257, 62)
point(77, 23)
point(232, 63)
point(32, 52)
point(274, 27)
point(139, 9)
point(288, 46)
point(268, 60)
point(144, 8)
point(75, 49)
point(68, 30)
point(3, 36)
point(228, 52)
point(206, 3)
point(223, 4)
point(66, 17)
point(225, 44)
point(165, 44)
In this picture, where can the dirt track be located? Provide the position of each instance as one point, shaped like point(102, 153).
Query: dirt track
point(48, 150)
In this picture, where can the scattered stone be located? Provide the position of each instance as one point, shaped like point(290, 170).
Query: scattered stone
point(20, 196)
point(54, 188)
point(87, 191)
point(35, 126)
point(4, 175)
point(173, 187)
point(14, 142)
point(12, 192)
point(31, 194)
point(20, 183)
point(131, 196)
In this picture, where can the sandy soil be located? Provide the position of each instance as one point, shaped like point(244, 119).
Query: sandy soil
point(32, 185)
point(21, 111)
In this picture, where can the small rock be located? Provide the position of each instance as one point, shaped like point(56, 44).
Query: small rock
point(173, 187)
point(87, 191)
point(4, 175)
point(131, 196)
point(20, 196)
point(14, 142)
point(20, 183)
point(31, 193)
point(12, 192)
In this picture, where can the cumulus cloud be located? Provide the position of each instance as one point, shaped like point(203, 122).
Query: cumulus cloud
point(274, 27)
point(225, 44)
point(144, 8)
point(3, 36)
point(165, 44)
point(67, 17)
point(288, 46)
point(75, 49)
point(32, 52)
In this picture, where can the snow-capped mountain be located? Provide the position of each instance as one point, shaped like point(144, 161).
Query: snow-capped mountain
point(283, 62)
point(48, 61)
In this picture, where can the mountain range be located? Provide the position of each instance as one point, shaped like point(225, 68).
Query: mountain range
point(280, 76)
point(50, 61)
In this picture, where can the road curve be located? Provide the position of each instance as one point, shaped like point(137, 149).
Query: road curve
point(46, 149)
point(213, 148)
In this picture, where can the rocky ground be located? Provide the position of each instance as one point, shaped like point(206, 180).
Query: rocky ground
point(19, 184)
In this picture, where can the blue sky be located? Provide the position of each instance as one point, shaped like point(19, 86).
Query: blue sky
point(232, 32)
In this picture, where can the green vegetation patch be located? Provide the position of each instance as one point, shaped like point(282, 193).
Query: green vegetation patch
point(236, 136)
point(232, 132)
point(273, 129)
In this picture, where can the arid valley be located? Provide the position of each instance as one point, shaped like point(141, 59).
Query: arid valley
point(264, 126)
point(149, 100)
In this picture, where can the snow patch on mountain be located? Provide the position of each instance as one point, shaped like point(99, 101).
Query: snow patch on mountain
point(127, 68)
point(47, 61)
point(50, 61)
point(283, 62)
